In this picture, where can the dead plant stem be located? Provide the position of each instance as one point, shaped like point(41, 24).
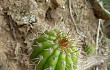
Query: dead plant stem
point(73, 20)
point(97, 38)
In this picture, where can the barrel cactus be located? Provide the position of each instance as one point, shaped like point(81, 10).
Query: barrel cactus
point(54, 50)
point(101, 8)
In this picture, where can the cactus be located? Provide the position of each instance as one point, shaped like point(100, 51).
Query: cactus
point(89, 49)
point(108, 67)
point(54, 50)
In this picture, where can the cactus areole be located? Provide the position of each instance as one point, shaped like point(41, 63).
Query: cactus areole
point(54, 50)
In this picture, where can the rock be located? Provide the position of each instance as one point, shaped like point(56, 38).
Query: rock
point(57, 3)
point(101, 9)
point(106, 28)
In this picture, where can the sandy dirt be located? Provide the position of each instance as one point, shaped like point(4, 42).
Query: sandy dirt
point(21, 21)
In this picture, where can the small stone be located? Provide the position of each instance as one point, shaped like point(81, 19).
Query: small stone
point(57, 2)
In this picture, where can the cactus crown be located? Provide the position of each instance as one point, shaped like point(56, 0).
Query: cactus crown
point(64, 42)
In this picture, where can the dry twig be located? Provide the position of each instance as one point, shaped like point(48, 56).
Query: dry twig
point(97, 38)
point(73, 20)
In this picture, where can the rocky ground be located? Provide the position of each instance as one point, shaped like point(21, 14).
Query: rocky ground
point(21, 21)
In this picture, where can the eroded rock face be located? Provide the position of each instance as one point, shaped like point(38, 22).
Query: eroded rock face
point(26, 12)
point(106, 28)
point(101, 9)
point(3, 65)
point(23, 11)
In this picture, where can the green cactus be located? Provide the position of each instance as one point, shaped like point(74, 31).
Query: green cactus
point(54, 50)
point(89, 48)
point(108, 67)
